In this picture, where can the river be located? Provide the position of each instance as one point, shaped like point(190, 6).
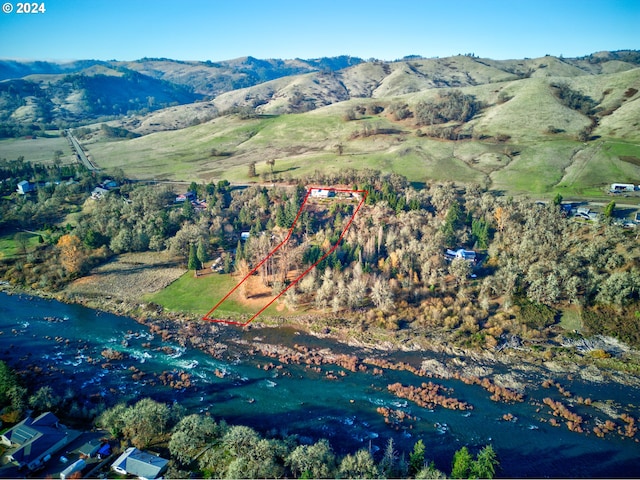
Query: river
point(297, 400)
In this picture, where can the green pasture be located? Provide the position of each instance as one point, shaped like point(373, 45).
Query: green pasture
point(37, 150)
point(10, 246)
point(199, 295)
point(301, 144)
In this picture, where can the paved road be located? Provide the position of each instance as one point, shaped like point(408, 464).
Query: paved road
point(80, 154)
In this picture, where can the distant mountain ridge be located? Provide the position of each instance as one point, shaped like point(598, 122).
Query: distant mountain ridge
point(88, 90)
point(38, 94)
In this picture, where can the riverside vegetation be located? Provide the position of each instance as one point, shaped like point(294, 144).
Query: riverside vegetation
point(390, 271)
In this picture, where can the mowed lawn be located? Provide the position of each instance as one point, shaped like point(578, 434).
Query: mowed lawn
point(199, 295)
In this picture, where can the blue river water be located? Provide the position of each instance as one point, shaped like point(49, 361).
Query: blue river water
point(297, 400)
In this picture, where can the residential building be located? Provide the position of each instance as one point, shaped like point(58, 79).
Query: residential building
point(25, 187)
point(143, 465)
point(468, 255)
point(622, 187)
point(322, 193)
point(33, 441)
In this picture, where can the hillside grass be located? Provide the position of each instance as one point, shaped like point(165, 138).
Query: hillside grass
point(532, 161)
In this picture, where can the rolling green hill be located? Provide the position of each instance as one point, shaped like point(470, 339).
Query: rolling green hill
point(537, 126)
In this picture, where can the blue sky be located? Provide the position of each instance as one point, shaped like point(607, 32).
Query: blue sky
point(387, 30)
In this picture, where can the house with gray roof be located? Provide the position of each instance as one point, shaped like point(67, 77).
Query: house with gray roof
point(33, 441)
point(143, 465)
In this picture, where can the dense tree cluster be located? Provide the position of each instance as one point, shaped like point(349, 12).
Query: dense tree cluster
point(391, 263)
point(199, 444)
point(448, 106)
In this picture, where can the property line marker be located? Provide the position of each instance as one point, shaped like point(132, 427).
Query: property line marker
point(207, 316)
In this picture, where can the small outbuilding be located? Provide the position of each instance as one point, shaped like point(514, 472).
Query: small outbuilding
point(76, 466)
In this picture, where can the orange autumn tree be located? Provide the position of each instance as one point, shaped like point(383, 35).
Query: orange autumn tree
point(72, 255)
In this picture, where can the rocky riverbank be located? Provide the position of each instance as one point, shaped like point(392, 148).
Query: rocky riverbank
point(521, 362)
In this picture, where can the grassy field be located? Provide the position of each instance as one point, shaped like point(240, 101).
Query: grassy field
point(9, 246)
point(38, 150)
point(199, 295)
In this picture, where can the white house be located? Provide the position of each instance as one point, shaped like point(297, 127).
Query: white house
point(140, 464)
point(622, 187)
point(322, 193)
point(98, 192)
point(468, 255)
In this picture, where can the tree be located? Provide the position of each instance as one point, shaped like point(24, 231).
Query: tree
point(389, 460)
point(313, 461)
point(416, 458)
point(609, 209)
point(44, 399)
point(271, 162)
point(485, 464)
point(71, 253)
point(557, 200)
point(240, 440)
point(381, 295)
point(145, 422)
point(462, 463)
point(193, 263)
point(460, 269)
point(113, 419)
point(359, 465)
point(356, 292)
point(480, 231)
point(191, 435)
point(242, 269)
point(187, 210)
point(11, 393)
point(122, 241)
point(430, 472)
point(201, 253)
point(22, 242)
point(252, 170)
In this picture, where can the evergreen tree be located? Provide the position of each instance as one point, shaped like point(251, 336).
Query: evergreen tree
point(201, 253)
point(485, 464)
point(462, 463)
point(416, 458)
point(557, 200)
point(609, 209)
point(389, 459)
point(193, 263)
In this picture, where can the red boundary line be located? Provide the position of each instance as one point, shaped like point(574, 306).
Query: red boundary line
point(344, 231)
